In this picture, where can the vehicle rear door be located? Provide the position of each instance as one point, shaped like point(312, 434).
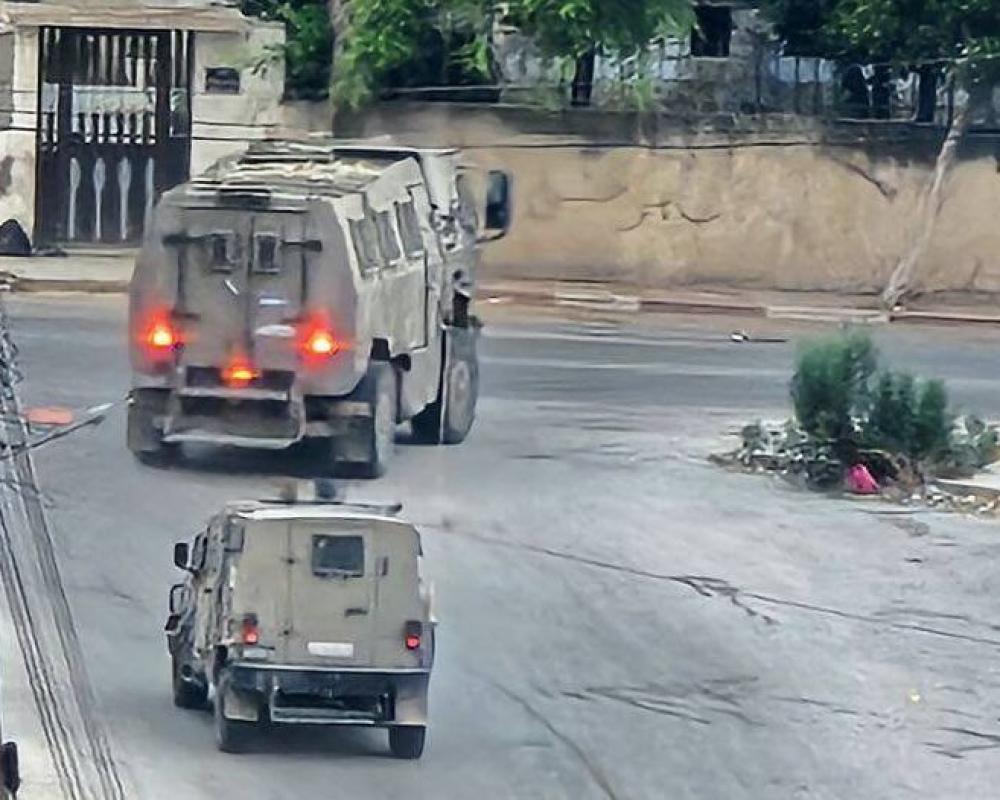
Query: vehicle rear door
point(331, 594)
point(240, 281)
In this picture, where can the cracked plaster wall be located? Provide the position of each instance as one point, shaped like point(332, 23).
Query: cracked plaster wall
point(754, 214)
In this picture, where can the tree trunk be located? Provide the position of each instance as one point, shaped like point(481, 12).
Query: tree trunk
point(927, 94)
point(338, 27)
point(583, 79)
point(903, 278)
point(882, 93)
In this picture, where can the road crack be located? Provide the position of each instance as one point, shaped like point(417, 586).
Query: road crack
point(710, 587)
point(593, 770)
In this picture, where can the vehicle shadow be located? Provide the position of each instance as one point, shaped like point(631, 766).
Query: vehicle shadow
point(320, 740)
point(304, 461)
point(303, 740)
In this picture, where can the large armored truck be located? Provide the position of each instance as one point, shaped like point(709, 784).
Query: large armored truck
point(312, 290)
point(304, 613)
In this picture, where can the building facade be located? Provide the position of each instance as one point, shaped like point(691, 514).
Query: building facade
point(104, 107)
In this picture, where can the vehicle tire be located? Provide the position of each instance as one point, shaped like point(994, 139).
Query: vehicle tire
point(380, 433)
point(187, 694)
point(143, 437)
point(231, 736)
point(458, 393)
point(407, 741)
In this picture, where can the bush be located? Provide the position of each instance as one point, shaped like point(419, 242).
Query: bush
point(842, 399)
point(908, 416)
point(831, 385)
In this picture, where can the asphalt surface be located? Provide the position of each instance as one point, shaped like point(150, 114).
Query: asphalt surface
point(619, 619)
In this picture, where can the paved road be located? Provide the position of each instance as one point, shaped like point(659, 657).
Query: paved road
point(619, 619)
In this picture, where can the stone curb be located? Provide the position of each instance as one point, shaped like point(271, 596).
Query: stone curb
point(87, 286)
point(598, 300)
point(961, 488)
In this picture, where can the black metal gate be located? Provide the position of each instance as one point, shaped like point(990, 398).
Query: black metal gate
point(114, 130)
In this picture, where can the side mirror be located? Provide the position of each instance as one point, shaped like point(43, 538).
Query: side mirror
point(178, 598)
point(498, 204)
point(182, 555)
point(10, 767)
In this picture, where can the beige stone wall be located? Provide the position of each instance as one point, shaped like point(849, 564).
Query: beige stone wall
point(780, 210)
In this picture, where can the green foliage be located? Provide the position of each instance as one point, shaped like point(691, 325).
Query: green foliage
point(908, 417)
point(619, 27)
point(308, 45)
point(842, 400)
point(393, 43)
point(801, 24)
point(831, 385)
point(904, 32)
point(908, 31)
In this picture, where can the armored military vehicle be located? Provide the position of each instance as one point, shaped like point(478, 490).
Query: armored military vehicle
point(312, 290)
point(304, 613)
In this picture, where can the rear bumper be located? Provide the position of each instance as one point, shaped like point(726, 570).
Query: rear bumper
point(251, 418)
point(379, 698)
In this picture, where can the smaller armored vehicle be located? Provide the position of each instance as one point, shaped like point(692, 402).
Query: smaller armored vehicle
point(304, 613)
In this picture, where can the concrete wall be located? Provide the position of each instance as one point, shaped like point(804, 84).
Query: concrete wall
point(19, 80)
point(783, 205)
point(222, 124)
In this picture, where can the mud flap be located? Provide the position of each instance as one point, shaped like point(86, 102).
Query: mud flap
point(411, 700)
point(142, 434)
point(241, 706)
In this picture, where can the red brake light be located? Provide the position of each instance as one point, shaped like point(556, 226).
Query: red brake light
point(239, 374)
point(321, 343)
point(249, 634)
point(412, 634)
point(161, 336)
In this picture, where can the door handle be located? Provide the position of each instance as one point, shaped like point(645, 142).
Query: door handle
point(357, 611)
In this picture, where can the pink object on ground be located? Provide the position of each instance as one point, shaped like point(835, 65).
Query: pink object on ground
point(860, 481)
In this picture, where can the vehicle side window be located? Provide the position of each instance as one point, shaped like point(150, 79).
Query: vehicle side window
point(387, 240)
point(409, 229)
point(213, 560)
point(365, 243)
point(198, 551)
point(338, 556)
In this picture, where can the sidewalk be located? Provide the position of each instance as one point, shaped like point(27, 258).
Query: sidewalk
point(809, 306)
point(110, 271)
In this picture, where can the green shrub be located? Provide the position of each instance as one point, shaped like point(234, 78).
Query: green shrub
point(933, 424)
point(908, 417)
point(831, 385)
point(846, 404)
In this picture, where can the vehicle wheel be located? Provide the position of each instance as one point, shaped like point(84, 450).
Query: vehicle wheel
point(144, 438)
point(457, 394)
point(407, 741)
point(187, 694)
point(381, 431)
point(230, 735)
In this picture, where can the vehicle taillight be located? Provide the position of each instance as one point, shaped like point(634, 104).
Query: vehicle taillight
point(239, 373)
point(412, 635)
point(320, 342)
point(249, 633)
point(161, 337)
